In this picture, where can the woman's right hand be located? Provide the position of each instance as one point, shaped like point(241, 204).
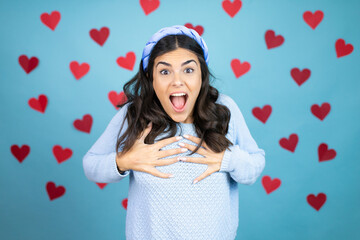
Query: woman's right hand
point(144, 157)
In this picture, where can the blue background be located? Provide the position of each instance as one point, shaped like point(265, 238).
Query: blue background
point(88, 212)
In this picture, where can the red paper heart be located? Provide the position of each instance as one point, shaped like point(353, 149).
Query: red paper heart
point(289, 144)
point(270, 185)
point(127, 62)
point(300, 76)
point(101, 185)
point(273, 41)
point(231, 8)
point(325, 154)
point(262, 113)
point(313, 19)
point(238, 68)
point(198, 28)
point(117, 99)
point(101, 36)
point(28, 65)
point(38, 104)
point(53, 191)
point(343, 49)
point(316, 201)
point(20, 153)
point(79, 70)
point(51, 20)
point(149, 6)
point(85, 124)
point(61, 154)
point(321, 112)
point(125, 203)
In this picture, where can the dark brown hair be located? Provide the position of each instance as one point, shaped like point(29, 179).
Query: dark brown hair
point(211, 120)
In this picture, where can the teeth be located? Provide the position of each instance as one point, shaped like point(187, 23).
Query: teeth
point(178, 94)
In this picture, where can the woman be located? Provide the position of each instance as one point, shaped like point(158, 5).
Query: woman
point(175, 123)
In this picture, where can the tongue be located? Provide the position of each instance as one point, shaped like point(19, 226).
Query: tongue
point(178, 102)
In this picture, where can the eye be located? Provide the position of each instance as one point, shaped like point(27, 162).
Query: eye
point(189, 70)
point(164, 72)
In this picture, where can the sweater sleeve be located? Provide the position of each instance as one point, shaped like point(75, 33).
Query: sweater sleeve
point(99, 162)
point(245, 161)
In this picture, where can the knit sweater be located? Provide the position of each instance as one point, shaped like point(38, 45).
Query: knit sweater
point(175, 208)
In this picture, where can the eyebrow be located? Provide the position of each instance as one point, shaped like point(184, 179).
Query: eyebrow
point(184, 63)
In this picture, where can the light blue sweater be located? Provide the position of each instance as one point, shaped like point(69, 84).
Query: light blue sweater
point(175, 208)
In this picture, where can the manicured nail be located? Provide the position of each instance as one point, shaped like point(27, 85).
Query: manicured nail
point(195, 181)
point(186, 136)
point(178, 138)
point(184, 149)
point(182, 144)
point(182, 158)
point(170, 176)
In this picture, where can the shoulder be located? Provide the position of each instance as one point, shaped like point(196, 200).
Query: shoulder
point(227, 101)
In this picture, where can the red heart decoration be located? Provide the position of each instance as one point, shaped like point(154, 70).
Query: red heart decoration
point(61, 154)
point(127, 62)
point(149, 6)
point(270, 185)
point(79, 70)
point(51, 20)
point(53, 191)
point(262, 114)
point(231, 8)
point(325, 154)
point(199, 29)
point(316, 201)
point(101, 185)
point(38, 104)
point(101, 36)
point(291, 143)
point(300, 76)
point(321, 112)
point(85, 124)
point(343, 49)
point(20, 153)
point(117, 99)
point(238, 68)
point(313, 19)
point(28, 65)
point(273, 41)
point(125, 203)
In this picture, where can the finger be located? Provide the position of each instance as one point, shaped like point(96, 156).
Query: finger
point(157, 173)
point(192, 148)
point(145, 133)
point(196, 140)
point(169, 152)
point(201, 160)
point(208, 172)
point(167, 141)
point(164, 162)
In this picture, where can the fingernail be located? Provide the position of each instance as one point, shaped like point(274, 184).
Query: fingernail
point(195, 181)
point(182, 144)
point(178, 137)
point(170, 176)
point(186, 136)
point(184, 149)
point(182, 158)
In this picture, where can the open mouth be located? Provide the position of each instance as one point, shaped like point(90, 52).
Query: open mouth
point(178, 101)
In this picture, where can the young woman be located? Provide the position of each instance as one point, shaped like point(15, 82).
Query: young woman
point(176, 128)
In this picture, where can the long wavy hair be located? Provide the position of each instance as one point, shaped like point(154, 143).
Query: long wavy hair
point(211, 120)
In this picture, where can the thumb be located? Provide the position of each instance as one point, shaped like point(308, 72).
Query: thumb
point(145, 132)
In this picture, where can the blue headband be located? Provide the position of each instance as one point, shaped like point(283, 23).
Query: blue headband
point(174, 30)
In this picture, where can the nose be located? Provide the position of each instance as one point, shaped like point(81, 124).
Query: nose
point(177, 79)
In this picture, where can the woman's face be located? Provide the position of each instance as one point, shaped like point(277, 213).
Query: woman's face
point(177, 83)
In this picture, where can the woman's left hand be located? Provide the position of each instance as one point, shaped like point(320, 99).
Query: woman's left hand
point(212, 159)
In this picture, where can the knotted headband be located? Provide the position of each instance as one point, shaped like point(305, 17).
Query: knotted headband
point(174, 30)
